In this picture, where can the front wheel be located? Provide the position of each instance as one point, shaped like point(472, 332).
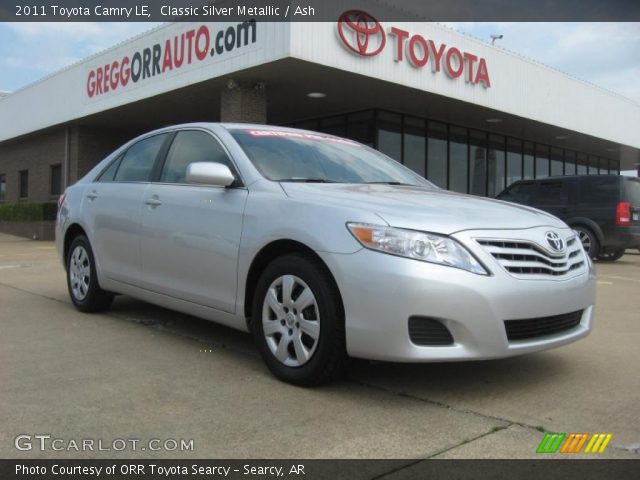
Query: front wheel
point(82, 280)
point(611, 255)
point(298, 321)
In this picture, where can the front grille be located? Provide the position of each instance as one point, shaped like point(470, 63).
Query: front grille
point(427, 331)
point(525, 259)
point(540, 327)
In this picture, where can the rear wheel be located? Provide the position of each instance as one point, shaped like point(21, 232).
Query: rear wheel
point(611, 255)
point(298, 321)
point(82, 280)
point(589, 241)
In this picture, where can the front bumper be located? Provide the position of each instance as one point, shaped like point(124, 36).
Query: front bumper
point(380, 292)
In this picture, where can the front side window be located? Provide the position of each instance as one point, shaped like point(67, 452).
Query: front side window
point(24, 183)
point(137, 163)
point(190, 147)
point(519, 193)
point(288, 156)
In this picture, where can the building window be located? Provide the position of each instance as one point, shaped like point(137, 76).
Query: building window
point(3, 187)
point(514, 160)
point(593, 165)
point(542, 161)
point(24, 183)
point(360, 127)
point(415, 145)
point(528, 165)
point(557, 160)
point(496, 165)
point(477, 162)
point(389, 135)
point(334, 126)
point(458, 159)
point(437, 154)
point(56, 179)
point(604, 166)
point(569, 162)
point(583, 164)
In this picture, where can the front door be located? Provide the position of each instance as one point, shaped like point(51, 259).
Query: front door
point(190, 234)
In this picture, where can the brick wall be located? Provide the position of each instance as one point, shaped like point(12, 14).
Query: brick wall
point(36, 153)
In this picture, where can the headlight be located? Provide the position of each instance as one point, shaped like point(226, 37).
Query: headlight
point(427, 247)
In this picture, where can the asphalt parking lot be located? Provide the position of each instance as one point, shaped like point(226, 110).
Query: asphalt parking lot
point(143, 372)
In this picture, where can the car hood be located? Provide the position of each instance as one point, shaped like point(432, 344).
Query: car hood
point(417, 208)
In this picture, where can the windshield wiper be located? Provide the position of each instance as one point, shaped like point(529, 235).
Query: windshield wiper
point(393, 183)
point(307, 180)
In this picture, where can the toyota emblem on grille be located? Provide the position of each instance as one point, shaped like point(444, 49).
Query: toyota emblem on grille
point(554, 241)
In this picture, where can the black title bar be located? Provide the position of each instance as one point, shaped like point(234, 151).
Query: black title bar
point(317, 10)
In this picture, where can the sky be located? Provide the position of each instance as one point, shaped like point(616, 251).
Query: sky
point(605, 54)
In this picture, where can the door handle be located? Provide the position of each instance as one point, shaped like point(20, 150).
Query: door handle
point(92, 195)
point(153, 202)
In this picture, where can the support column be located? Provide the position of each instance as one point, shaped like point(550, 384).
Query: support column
point(243, 101)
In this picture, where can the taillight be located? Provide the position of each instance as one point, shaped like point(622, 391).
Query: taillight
point(623, 214)
point(61, 200)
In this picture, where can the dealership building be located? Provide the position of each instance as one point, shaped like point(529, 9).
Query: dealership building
point(469, 116)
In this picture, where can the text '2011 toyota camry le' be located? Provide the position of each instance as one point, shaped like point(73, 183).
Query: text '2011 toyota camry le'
point(323, 248)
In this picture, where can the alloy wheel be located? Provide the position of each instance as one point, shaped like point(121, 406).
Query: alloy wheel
point(79, 272)
point(291, 320)
point(585, 239)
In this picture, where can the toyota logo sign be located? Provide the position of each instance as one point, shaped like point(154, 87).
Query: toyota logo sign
point(361, 33)
point(554, 241)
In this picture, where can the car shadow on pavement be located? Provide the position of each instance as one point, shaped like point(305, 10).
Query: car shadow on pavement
point(509, 373)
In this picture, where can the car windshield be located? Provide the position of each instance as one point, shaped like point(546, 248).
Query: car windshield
point(300, 156)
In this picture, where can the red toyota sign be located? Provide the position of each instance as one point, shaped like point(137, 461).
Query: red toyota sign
point(363, 35)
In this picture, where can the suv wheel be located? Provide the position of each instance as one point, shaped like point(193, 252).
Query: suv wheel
point(82, 281)
point(611, 255)
point(298, 321)
point(588, 240)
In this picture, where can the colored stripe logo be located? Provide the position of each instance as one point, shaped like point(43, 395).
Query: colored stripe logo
point(574, 442)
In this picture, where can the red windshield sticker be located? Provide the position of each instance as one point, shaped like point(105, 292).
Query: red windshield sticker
point(301, 135)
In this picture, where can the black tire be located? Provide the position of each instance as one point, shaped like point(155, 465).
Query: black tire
point(594, 246)
point(329, 359)
point(94, 299)
point(611, 255)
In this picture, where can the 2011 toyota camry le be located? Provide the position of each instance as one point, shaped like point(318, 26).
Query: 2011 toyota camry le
point(323, 248)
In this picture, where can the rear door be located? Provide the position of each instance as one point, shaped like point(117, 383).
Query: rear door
point(191, 233)
point(598, 197)
point(114, 203)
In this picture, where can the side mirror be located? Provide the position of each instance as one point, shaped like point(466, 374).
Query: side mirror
point(209, 173)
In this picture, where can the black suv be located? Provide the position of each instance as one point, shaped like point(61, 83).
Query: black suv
point(603, 209)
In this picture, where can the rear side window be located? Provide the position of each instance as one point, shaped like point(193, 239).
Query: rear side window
point(600, 190)
point(632, 191)
point(109, 174)
point(190, 147)
point(519, 193)
point(552, 193)
point(137, 163)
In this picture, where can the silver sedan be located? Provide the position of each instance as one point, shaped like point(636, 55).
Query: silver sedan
point(323, 248)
